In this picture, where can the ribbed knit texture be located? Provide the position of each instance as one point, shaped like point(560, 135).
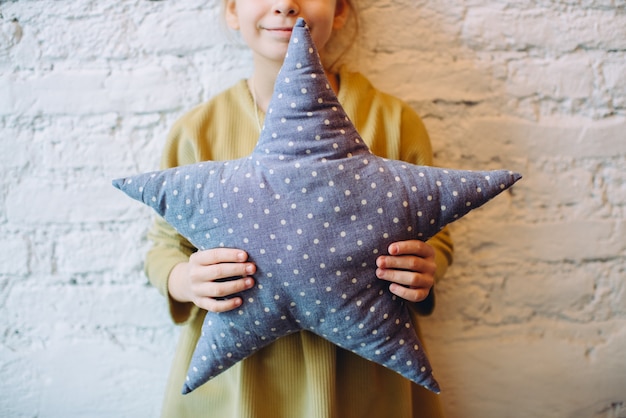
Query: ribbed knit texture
point(300, 375)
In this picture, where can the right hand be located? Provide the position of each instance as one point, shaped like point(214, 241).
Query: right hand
point(195, 281)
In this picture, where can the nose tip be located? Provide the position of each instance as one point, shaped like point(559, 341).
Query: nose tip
point(286, 9)
point(289, 12)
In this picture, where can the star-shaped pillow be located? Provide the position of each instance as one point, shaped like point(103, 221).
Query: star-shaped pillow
point(313, 207)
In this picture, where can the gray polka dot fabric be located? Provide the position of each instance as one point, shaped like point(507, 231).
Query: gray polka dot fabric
point(314, 208)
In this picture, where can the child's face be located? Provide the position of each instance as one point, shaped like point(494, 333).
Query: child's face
point(265, 25)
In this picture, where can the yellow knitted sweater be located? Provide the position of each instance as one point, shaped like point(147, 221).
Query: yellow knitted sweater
point(301, 375)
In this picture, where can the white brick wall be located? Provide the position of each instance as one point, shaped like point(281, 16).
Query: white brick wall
point(531, 320)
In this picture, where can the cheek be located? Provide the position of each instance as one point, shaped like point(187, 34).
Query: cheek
point(322, 35)
point(247, 30)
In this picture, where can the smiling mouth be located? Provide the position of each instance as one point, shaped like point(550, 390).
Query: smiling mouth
point(279, 30)
point(282, 34)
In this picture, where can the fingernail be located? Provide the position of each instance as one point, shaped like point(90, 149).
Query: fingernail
point(249, 269)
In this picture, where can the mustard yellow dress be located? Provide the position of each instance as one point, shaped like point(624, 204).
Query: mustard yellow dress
point(301, 375)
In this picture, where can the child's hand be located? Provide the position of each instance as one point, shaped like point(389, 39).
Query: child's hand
point(410, 267)
point(197, 281)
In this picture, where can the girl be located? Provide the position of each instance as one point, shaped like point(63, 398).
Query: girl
point(301, 375)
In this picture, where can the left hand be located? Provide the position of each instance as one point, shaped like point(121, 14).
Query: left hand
point(410, 267)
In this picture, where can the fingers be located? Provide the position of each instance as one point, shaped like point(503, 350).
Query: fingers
point(407, 263)
point(411, 247)
point(201, 273)
point(219, 300)
point(409, 285)
point(415, 279)
point(410, 268)
point(217, 274)
point(412, 295)
point(219, 255)
point(219, 263)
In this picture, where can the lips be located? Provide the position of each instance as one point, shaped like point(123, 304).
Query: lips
point(280, 30)
point(278, 27)
point(282, 34)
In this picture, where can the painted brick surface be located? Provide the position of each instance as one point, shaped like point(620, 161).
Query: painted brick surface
point(531, 319)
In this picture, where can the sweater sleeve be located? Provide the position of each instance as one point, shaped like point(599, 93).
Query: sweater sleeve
point(415, 148)
point(201, 134)
point(169, 248)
